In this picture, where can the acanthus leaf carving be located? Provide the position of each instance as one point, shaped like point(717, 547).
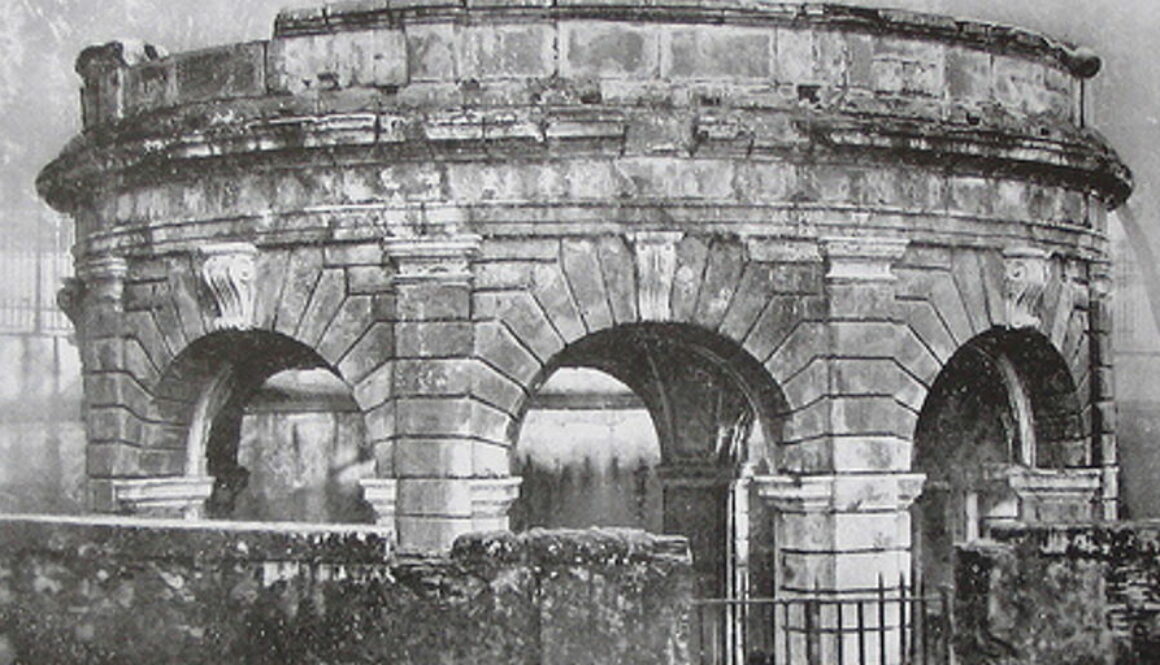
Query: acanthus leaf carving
point(229, 270)
point(1026, 271)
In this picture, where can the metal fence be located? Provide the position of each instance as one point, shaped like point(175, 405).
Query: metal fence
point(32, 270)
point(893, 625)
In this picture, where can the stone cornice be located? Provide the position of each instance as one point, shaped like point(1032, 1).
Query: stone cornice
point(1075, 159)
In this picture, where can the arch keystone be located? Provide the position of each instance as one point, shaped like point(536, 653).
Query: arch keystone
point(1025, 275)
point(229, 270)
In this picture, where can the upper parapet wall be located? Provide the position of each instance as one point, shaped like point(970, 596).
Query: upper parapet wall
point(815, 53)
point(998, 38)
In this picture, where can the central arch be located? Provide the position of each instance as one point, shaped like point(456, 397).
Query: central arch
point(718, 417)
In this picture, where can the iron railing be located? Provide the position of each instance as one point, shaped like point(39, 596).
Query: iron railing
point(891, 625)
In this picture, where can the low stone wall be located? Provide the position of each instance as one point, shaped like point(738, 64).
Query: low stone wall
point(102, 591)
point(1077, 594)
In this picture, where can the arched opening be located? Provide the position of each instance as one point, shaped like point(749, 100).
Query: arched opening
point(660, 427)
point(1005, 405)
point(273, 424)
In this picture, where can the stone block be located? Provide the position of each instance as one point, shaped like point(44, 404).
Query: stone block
point(382, 425)
point(301, 276)
point(692, 256)
point(156, 463)
point(112, 460)
point(221, 73)
point(503, 275)
point(373, 58)
point(369, 279)
point(968, 74)
point(723, 269)
point(865, 339)
point(582, 270)
point(846, 532)
point(114, 424)
point(507, 51)
point(376, 387)
point(434, 416)
point(368, 353)
point(431, 377)
point(423, 457)
point(325, 301)
point(519, 311)
point(861, 453)
point(798, 347)
point(491, 460)
point(431, 51)
point(719, 53)
point(874, 415)
point(352, 254)
point(433, 301)
point(137, 363)
point(922, 319)
point(497, 389)
point(619, 272)
point(148, 86)
point(808, 385)
point(491, 424)
point(598, 49)
point(423, 534)
point(349, 324)
point(443, 339)
point(944, 296)
point(865, 376)
point(866, 301)
point(552, 292)
point(434, 497)
point(752, 294)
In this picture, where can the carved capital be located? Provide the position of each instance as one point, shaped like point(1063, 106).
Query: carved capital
point(861, 259)
point(179, 496)
point(104, 277)
point(1025, 273)
point(840, 492)
point(229, 270)
point(655, 255)
point(383, 495)
point(445, 259)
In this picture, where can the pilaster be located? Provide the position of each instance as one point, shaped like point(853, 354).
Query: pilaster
point(445, 448)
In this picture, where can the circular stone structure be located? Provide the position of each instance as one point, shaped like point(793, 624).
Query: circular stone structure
point(833, 250)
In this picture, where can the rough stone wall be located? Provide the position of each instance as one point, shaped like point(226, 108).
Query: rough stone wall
point(1068, 594)
point(102, 592)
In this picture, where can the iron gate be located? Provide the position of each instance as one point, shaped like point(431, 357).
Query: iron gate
point(892, 625)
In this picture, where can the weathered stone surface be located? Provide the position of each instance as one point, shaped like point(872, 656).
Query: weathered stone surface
point(94, 591)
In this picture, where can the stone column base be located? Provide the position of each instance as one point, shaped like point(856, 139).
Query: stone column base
point(179, 496)
point(382, 494)
point(490, 500)
point(1052, 496)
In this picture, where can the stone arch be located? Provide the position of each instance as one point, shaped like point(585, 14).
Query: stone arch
point(534, 306)
point(1002, 425)
point(200, 399)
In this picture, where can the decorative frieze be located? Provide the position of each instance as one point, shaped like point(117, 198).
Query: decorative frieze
point(655, 254)
point(1026, 270)
point(444, 259)
point(229, 270)
point(861, 259)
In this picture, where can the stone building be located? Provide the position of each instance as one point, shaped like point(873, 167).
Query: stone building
point(852, 262)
